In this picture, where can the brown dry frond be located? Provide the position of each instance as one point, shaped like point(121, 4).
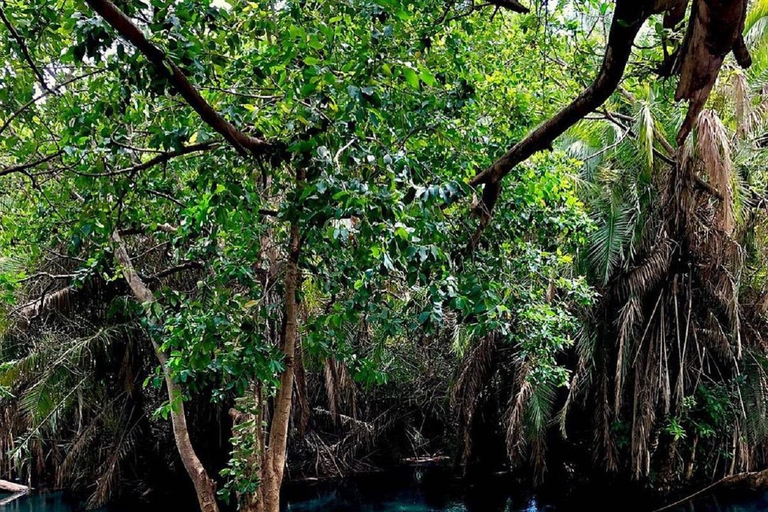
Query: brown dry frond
point(629, 317)
point(468, 388)
point(518, 403)
point(714, 153)
point(743, 105)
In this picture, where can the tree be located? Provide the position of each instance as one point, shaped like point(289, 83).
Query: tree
point(265, 189)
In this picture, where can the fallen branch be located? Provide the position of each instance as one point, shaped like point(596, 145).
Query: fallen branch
point(346, 421)
point(11, 498)
point(16, 490)
point(6, 486)
point(753, 480)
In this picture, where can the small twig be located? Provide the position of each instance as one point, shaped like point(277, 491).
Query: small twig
point(24, 51)
point(42, 95)
point(48, 275)
point(24, 167)
point(187, 265)
point(166, 196)
point(159, 159)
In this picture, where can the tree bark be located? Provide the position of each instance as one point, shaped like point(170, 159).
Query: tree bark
point(714, 30)
point(205, 486)
point(275, 456)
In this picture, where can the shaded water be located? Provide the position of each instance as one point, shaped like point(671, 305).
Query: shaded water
point(438, 491)
point(425, 491)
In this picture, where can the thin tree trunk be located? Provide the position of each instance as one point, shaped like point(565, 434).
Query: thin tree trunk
point(692, 461)
point(274, 462)
point(205, 486)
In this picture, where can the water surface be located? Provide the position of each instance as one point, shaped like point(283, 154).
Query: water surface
point(437, 491)
point(426, 491)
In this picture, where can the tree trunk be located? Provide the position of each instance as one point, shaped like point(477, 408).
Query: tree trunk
point(205, 487)
point(274, 459)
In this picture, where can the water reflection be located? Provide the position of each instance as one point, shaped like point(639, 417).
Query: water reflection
point(437, 491)
point(426, 491)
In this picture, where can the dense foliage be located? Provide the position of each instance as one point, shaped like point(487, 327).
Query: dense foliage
point(255, 220)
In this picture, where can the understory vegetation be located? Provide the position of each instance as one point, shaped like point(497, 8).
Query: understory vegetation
point(246, 242)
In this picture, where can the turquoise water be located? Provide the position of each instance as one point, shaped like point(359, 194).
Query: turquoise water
point(425, 491)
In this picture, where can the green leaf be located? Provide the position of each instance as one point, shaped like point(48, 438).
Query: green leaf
point(411, 77)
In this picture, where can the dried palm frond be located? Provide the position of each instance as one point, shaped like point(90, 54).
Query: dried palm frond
point(713, 149)
point(468, 387)
point(743, 105)
point(629, 317)
point(340, 388)
point(652, 269)
point(517, 438)
point(107, 484)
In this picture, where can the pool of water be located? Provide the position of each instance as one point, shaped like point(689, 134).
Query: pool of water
point(438, 491)
point(427, 491)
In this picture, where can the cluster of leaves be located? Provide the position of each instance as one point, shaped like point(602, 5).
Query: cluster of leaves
point(386, 107)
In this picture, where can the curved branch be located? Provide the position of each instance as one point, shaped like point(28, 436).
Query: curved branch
point(24, 50)
point(242, 142)
point(627, 21)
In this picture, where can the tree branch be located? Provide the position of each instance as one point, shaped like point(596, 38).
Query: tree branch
point(187, 265)
point(42, 95)
point(24, 51)
point(204, 485)
point(242, 142)
point(628, 18)
point(29, 165)
point(512, 5)
point(159, 159)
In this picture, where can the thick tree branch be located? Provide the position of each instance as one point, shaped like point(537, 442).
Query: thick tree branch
point(512, 5)
point(242, 142)
point(625, 26)
point(628, 18)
